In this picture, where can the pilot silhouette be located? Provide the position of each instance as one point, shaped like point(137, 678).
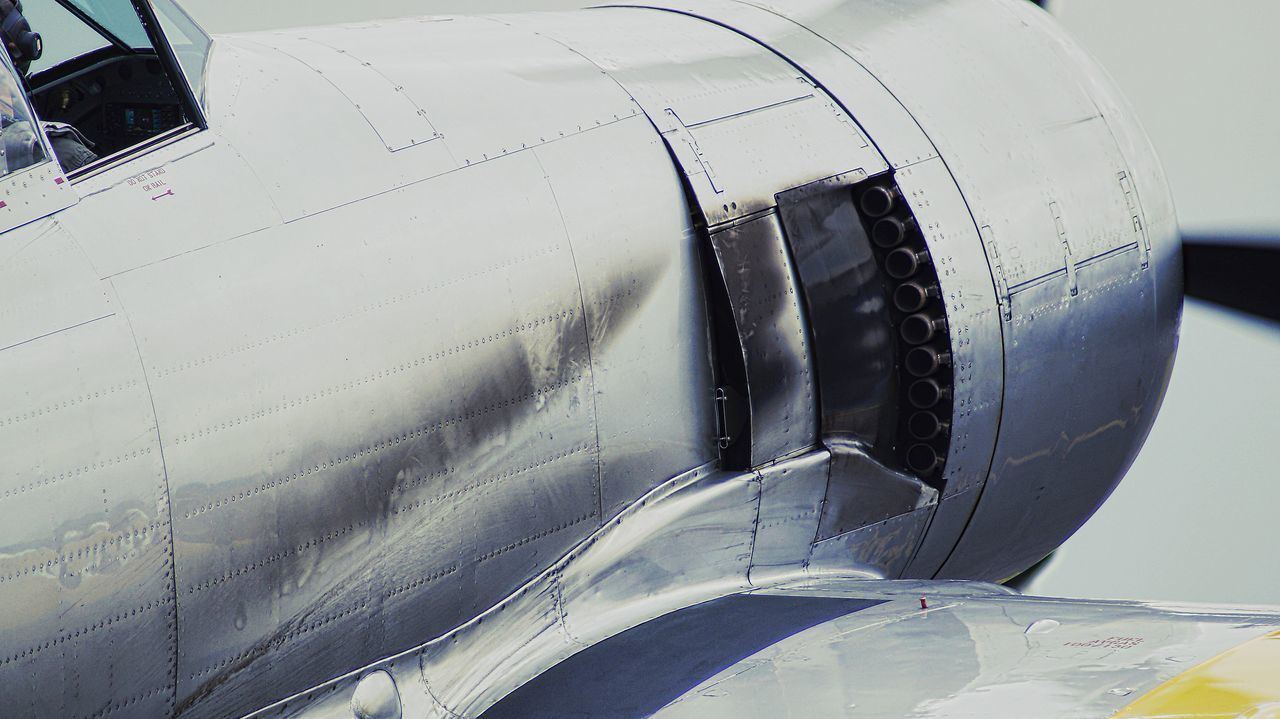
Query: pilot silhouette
point(25, 46)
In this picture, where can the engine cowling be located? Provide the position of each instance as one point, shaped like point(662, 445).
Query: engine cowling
point(992, 299)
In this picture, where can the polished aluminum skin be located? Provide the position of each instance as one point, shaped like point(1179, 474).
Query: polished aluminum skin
point(972, 652)
point(915, 649)
point(421, 379)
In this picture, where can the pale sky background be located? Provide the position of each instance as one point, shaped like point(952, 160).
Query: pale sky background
point(1195, 519)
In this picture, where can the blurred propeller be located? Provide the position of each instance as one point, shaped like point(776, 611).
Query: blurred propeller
point(1239, 272)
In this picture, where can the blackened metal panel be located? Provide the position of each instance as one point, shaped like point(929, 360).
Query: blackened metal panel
point(847, 298)
point(885, 365)
point(944, 221)
point(772, 330)
point(741, 133)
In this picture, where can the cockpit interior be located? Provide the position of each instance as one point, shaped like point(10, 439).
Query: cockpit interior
point(115, 100)
point(121, 72)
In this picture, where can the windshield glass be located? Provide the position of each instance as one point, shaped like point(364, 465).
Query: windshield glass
point(20, 145)
point(190, 44)
point(65, 35)
point(119, 18)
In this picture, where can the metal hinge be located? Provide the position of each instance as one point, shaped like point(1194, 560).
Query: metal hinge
point(1068, 256)
point(997, 272)
point(1131, 198)
point(723, 439)
point(731, 416)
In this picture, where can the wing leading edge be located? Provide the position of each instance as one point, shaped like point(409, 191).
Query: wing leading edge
point(853, 648)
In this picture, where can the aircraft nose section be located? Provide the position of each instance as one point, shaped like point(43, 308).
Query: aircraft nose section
point(995, 311)
point(1036, 295)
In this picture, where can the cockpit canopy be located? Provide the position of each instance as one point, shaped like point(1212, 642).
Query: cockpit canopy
point(122, 72)
point(21, 145)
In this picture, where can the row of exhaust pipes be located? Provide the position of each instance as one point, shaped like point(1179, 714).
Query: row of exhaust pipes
point(924, 368)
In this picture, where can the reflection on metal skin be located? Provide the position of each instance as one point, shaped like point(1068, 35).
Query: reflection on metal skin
point(974, 652)
point(977, 353)
point(376, 697)
point(884, 548)
point(792, 501)
point(864, 492)
point(691, 540)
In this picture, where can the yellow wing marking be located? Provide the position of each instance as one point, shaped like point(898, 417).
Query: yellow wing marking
point(1241, 683)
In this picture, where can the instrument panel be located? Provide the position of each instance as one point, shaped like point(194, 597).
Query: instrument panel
point(116, 102)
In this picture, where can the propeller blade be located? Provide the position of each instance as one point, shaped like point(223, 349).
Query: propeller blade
point(1241, 273)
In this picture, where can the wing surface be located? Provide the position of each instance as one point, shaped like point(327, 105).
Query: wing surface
point(912, 649)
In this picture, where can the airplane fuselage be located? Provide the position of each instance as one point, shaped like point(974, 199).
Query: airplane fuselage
point(433, 305)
